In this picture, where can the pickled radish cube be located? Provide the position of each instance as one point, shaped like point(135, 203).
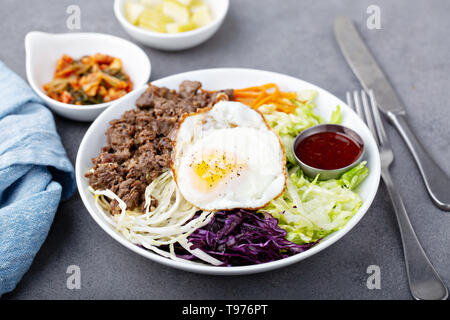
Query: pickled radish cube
point(151, 3)
point(132, 11)
point(173, 27)
point(188, 27)
point(152, 19)
point(176, 11)
point(201, 16)
point(198, 6)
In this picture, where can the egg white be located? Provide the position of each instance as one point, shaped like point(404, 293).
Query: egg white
point(228, 157)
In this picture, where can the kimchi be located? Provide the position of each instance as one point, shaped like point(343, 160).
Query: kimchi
point(90, 80)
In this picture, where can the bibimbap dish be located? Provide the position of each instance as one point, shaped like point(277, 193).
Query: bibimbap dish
point(208, 177)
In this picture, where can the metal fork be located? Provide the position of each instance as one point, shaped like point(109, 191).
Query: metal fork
point(424, 282)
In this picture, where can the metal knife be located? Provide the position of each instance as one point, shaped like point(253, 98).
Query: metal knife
point(372, 77)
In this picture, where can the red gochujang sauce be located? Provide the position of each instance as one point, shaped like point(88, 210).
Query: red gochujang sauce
point(328, 150)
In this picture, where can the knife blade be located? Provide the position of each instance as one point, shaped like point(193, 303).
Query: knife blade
point(372, 77)
point(365, 67)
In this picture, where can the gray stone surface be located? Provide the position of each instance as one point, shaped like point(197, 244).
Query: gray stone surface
point(291, 37)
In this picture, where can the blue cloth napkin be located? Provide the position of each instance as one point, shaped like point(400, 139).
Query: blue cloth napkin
point(35, 174)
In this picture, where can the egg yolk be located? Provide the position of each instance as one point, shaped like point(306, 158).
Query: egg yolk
point(214, 168)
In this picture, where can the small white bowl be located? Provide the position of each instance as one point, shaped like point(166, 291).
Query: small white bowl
point(174, 41)
point(44, 49)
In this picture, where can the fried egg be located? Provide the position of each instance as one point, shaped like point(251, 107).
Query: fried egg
point(228, 157)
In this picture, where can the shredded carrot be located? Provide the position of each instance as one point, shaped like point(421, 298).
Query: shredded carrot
point(266, 94)
point(246, 94)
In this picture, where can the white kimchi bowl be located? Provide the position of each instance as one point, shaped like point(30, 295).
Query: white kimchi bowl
point(43, 50)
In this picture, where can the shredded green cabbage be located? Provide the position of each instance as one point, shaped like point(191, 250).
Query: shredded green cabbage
point(289, 125)
point(311, 209)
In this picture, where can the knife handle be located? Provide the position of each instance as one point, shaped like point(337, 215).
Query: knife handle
point(436, 180)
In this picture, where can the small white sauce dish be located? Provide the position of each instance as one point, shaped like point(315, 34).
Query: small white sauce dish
point(326, 174)
point(175, 41)
point(43, 50)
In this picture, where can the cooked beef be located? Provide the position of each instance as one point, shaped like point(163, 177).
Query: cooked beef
point(189, 88)
point(139, 144)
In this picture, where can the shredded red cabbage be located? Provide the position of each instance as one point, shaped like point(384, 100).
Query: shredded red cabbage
point(241, 237)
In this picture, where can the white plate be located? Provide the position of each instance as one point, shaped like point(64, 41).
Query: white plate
point(223, 79)
point(44, 49)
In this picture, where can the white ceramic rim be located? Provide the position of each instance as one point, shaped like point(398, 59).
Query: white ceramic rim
point(214, 270)
point(118, 11)
point(68, 106)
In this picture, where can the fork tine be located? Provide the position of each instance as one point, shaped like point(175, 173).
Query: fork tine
point(368, 113)
point(350, 103)
point(349, 100)
point(358, 107)
point(378, 121)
